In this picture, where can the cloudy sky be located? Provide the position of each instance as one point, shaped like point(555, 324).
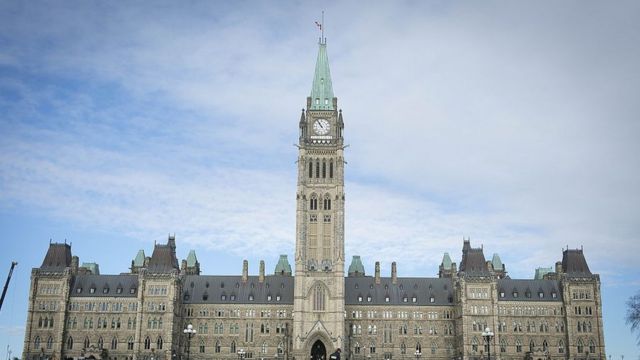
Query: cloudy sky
point(513, 123)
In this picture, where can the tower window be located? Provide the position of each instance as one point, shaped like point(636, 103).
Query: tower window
point(317, 101)
point(318, 298)
point(327, 204)
point(326, 101)
point(310, 169)
point(331, 169)
point(324, 169)
point(313, 203)
point(317, 168)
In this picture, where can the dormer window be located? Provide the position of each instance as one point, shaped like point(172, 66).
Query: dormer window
point(251, 297)
point(326, 101)
point(541, 294)
point(268, 297)
point(502, 294)
point(515, 294)
point(223, 297)
point(79, 290)
point(233, 298)
point(554, 295)
point(317, 101)
point(405, 299)
point(359, 298)
point(414, 299)
point(387, 299)
point(92, 290)
point(277, 297)
point(432, 299)
point(119, 290)
point(105, 290)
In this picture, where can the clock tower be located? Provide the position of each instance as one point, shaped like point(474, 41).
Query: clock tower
point(318, 314)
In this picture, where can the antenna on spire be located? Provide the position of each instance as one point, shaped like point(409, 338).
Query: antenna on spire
point(320, 26)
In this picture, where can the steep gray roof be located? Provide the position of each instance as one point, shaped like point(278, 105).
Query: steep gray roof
point(212, 289)
point(574, 263)
point(528, 290)
point(423, 289)
point(58, 257)
point(163, 258)
point(82, 285)
point(473, 261)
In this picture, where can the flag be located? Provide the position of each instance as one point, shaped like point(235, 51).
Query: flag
point(319, 25)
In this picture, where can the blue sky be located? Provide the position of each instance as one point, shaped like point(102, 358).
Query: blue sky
point(513, 123)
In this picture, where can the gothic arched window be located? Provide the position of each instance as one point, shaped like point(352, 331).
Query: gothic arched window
point(592, 347)
point(318, 168)
point(130, 343)
point(232, 348)
point(159, 343)
point(70, 343)
point(36, 342)
point(561, 347)
point(327, 202)
point(217, 347)
point(147, 343)
point(580, 346)
point(311, 169)
point(313, 202)
point(331, 169)
point(114, 343)
point(86, 342)
point(318, 298)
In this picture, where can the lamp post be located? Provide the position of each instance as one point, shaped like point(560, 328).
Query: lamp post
point(418, 354)
point(189, 331)
point(487, 334)
point(241, 354)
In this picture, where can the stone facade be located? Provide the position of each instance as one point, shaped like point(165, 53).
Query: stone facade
point(76, 312)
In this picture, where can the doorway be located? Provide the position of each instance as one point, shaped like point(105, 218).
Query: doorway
point(318, 351)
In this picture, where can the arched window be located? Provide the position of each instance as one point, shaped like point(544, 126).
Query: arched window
point(418, 348)
point(36, 342)
point(86, 342)
point(324, 169)
point(331, 169)
point(100, 343)
point(40, 323)
point(532, 345)
point(318, 298)
point(518, 345)
point(232, 348)
point(310, 169)
point(545, 345)
point(130, 343)
point(503, 345)
point(114, 343)
point(263, 349)
point(201, 347)
point(217, 347)
point(403, 348)
point(318, 168)
point(159, 343)
point(327, 202)
point(561, 347)
point(147, 343)
point(474, 344)
point(356, 349)
point(434, 347)
point(372, 348)
point(580, 346)
point(592, 347)
point(313, 202)
point(70, 343)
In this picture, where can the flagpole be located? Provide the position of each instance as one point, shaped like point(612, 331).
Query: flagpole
point(322, 28)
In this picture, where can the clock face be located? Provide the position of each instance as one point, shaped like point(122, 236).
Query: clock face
point(321, 127)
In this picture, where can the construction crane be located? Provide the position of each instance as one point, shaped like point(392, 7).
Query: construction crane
point(6, 285)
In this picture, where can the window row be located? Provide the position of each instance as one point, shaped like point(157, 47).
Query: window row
point(103, 306)
point(232, 348)
point(320, 169)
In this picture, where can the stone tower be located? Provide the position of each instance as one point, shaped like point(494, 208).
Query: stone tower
point(318, 313)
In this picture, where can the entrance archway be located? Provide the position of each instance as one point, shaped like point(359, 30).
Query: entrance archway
point(318, 351)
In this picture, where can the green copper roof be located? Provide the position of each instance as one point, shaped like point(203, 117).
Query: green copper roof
point(356, 266)
point(93, 267)
point(283, 265)
point(192, 259)
point(322, 90)
point(541, 271)
point(496, 262)
point(139, 260)
point(446, 261)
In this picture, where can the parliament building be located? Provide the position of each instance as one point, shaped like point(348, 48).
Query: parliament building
point(164, 308)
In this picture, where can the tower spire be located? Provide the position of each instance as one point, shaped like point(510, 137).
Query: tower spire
point(322, 89)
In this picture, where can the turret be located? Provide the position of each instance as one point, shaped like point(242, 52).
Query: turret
point(245, 271)
point(394, 273)
point(261, 273)
point(377, 273)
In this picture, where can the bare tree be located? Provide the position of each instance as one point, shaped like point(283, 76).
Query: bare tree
point(633, 313)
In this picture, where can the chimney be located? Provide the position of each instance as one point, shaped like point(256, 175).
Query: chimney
point(261, 276)
point(394, 273)
point(75, 263)
point(245, 270)
point(377, 276)
point(558, 267)
point(183, 266)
